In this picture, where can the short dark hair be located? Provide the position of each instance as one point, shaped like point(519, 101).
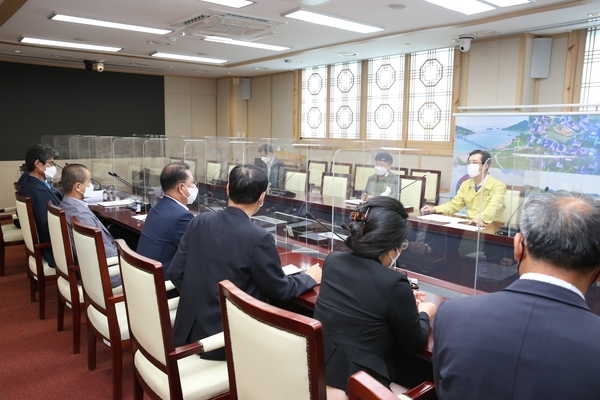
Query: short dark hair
point(561, 228)
point(485, 156)
point(266, 148)
point(385, 157)
point(40, 152)
point(386, 227)
point(172, 175)
point(72, 174)
point(246, 183)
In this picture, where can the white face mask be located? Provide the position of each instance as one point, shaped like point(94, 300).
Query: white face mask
point(50, 172)
point(393, 264)
point(193, 194)
point(473, 170)
point(380, 170)
point(265, 159)
point(89, 191)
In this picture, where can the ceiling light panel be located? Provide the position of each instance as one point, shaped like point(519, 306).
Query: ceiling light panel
point(255, 45)
point(230, 3)
point(507, 3)
point(467, 7)
point(69, 45)
point(107, 24)
point(182, 57)
point(331, 21)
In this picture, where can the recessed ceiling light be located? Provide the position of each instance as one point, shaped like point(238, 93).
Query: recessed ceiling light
point(107, 24)
point(347, 54)
point(188, 58)
point(263, 46)
point(230, 3)
point(331, 21)
point(17, 51)
point(202, 71)
point(594, 15)
point(159, 42)
point(397, 7)
point(70, 45)
point(407, 44)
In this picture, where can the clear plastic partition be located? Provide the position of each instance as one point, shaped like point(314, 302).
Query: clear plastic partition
point(101, 158)
point(128, 164)
point(79, 148)
point(157, 154)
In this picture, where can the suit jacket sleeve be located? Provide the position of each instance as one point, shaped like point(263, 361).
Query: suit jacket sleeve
point(177, 266)
point(180, 227)
point(457, 202)
point(269, 277)
point(411, 327)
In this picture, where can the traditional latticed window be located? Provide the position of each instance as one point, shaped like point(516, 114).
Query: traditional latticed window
point(314, 102)
point(430, 97)
point(344, 101)
point(385, 98)
point(590, 81)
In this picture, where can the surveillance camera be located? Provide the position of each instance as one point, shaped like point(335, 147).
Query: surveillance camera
point(99, 66)
point(89, 64)
point(465, 43)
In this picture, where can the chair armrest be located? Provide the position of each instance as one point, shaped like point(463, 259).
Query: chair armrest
point(116, 299)
point(43, 246)
point(423, 391)
point(6, 217)
point(209, 343)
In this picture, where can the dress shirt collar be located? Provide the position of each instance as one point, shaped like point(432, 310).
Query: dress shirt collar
point(77, 200)
point(178, 202)
point(534, 276)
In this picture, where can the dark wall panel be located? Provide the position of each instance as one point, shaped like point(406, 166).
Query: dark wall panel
point(37, 100)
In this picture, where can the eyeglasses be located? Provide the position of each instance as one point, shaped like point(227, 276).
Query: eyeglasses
point(405, 244)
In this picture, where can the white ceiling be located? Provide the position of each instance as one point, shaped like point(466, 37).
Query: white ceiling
point(420, 26)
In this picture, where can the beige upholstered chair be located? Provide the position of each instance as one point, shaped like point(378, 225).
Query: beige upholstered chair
point(399, 171)
point(69, 292)
point(315, 170)
point(336, 185)
point(362, 386)
point(295, 180)
point(271, 353)
point(413, 195)
point(39, 272)
point(105, 307)
point(512, 200)
point(362, 172)
point(11, 236)
point(161, 370)
point(432, 184)
point(341, 168)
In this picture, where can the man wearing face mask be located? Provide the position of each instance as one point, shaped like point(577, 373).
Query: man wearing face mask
point(168, 220)
point(537, 338)
point(384, 182)
point(273, 166)
point(39, 161)
point(481, 194)
point(228, 245)
point(77, 185)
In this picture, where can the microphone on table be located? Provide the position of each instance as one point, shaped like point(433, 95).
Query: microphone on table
point(415, 181)
point(309, 215)
point(212, 196)
point(506, 230)
point(145, 204)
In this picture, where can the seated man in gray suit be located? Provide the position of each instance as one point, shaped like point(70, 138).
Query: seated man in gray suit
point(536, 339)
point(76, 182)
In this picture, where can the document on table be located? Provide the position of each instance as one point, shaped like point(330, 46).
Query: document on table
point(442, 218)
point(291, 269)
point(140, 217)
point(115, 203)
point(353, 201)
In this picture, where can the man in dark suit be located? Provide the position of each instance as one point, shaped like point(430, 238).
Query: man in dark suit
point(39, 161)
point(273, 166)
point(228, 245)
point(168, 220)
point(536, 339)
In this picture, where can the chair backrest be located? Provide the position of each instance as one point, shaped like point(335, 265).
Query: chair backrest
point(432, 183)
point(295, 179)
point(362, 386)
point(60, 239)
point(28, 227)
point(413, 195)
point(399, 171)
point(213, 170)
point(341, 168)
point(512, 200)
point(336, 185)
point(316, 169)
point(92, 264)
point(288, 345)
point(147, 307)
point(362, 172)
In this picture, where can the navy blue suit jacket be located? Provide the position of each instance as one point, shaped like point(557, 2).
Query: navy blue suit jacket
point(532, 340)
point(40, 193)
point(225, 245)
point(165, 224)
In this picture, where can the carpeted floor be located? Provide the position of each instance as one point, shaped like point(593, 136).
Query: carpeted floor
point(36, 361)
